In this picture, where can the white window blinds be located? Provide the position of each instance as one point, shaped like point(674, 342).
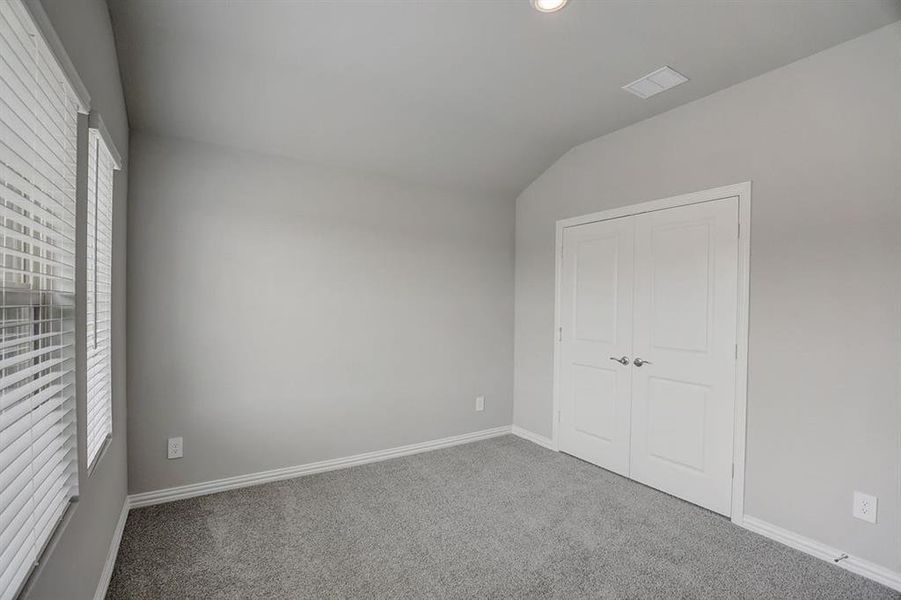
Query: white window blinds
point(99, 293)
point(38, 134)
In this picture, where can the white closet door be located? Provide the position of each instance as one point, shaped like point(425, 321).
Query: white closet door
point(596, 321)
point(686, 295)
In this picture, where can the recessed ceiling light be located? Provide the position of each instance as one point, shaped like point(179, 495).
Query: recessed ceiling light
point(548, 6)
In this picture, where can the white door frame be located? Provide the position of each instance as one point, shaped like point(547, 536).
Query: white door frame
point(743, 192)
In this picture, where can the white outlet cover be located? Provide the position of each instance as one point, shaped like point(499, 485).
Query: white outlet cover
point(480, 403)
point(175, 448)
point(865, 507)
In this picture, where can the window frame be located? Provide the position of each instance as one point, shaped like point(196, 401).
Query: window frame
point(99, 147)
point(45, 46)
point(42, 109)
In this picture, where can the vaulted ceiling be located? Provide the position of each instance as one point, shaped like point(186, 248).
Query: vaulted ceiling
point(478, 95)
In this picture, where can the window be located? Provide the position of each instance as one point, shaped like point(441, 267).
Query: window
point(99, 293)
point(38, 142)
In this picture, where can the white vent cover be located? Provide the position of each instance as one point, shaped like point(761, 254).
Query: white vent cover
point(660, 80)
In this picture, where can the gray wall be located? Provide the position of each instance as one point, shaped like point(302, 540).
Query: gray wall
point(74, 566)
point(820, 141)
point(282, 314)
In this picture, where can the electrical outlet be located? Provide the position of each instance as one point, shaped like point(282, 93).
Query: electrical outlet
point(480, 403)
point(175, 448)
point(865, 507)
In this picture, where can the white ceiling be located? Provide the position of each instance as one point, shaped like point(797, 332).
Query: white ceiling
point(480, 95)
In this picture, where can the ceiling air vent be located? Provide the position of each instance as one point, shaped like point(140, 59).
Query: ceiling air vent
point(660, 80)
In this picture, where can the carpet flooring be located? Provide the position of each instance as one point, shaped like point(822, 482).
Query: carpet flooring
point(500, 518)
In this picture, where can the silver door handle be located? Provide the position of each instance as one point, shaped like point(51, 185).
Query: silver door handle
point(623, 360)
point(639, 362)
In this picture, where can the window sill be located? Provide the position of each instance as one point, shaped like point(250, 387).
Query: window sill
point(106, 444)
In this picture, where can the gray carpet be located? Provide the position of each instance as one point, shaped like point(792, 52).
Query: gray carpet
point(502, 518)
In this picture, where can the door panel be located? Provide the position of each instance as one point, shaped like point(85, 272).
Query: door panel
point(685, 311)
point(594, 401)
point(675, 422)
point(595, 294)
point(680, 309)
point(596, 321)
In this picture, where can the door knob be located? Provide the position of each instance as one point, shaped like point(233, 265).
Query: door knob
point(623, 360)
point(639, 362)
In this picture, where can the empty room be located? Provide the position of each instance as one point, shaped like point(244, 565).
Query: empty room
point(450, 299)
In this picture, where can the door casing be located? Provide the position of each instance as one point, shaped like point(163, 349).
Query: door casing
point(743, 192)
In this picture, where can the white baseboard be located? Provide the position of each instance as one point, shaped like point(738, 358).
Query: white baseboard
point(533, 437)
point(107, 572)
point(854, 564)
point(231, 483)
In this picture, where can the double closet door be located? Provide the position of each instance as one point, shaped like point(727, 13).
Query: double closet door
point(648, 320)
